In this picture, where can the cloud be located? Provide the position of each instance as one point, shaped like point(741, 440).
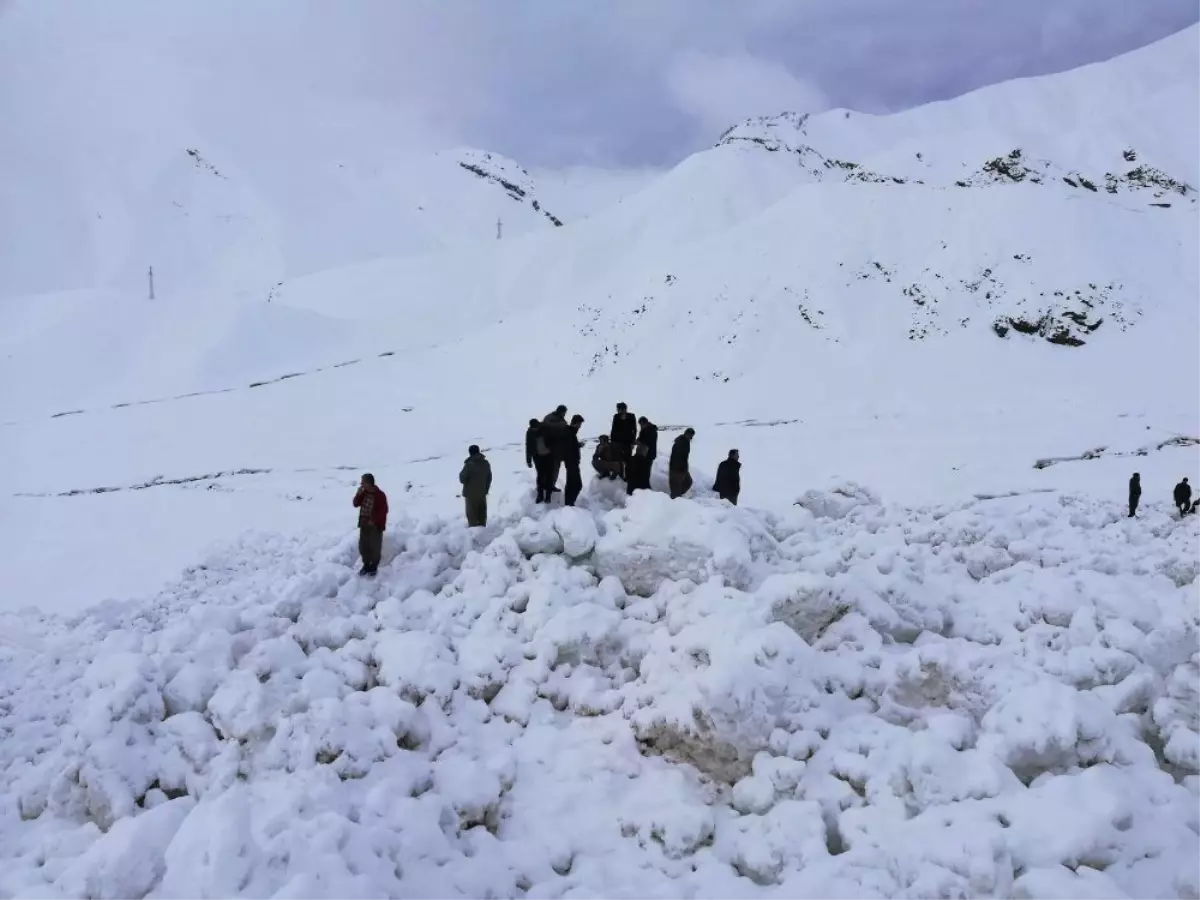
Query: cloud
point(720, 90)
point(558, 82)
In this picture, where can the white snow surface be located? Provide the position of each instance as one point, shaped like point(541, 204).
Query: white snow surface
point(658, 698)
point(930, 655)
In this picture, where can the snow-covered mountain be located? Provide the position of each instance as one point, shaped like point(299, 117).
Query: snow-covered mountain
point(929, 655)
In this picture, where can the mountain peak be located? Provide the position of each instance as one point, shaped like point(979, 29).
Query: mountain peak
point(504, 173)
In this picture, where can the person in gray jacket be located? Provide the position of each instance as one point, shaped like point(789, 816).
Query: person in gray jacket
point(476, 480)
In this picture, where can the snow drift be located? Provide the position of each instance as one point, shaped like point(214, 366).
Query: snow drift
point(657, 698)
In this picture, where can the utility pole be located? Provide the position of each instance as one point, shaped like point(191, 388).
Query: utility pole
point(150, 273)
point(499, 227)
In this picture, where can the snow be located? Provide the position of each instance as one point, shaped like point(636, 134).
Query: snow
point(928, 655)
point(860, 712)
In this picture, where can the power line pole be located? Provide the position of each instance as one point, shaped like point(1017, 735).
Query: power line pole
point(499, 226)
point(150, 274)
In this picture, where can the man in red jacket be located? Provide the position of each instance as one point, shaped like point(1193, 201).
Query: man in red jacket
point(372, 520)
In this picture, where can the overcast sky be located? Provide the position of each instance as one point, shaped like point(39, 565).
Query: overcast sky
point(609, 82)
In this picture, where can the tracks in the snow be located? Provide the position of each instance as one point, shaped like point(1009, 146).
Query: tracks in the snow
point(161, 481)
point(254, 384)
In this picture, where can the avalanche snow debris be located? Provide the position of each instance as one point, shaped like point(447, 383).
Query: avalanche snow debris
point(662, 697)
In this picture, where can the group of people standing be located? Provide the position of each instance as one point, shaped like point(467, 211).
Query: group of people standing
point(1182, 496)
point(372, 505)
point(626, 453)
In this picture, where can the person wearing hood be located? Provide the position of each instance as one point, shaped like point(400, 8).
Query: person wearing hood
point(679, 477)
point(1183, 497)
point(1135, 492)
point(729, 478)
point(637, 471)
point(476, 481)
point(624, 432)
point(571, 461)
point(372, 507)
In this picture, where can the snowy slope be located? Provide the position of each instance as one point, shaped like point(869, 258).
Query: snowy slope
point(974, 676)
point(119, 172)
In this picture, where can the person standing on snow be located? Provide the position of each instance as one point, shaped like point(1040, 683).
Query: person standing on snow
point(476, 481)
point(1135, 492)
point(571, 462)
point(624, 432)
point(1183, 497)
point(555, 433)
point(537, 457)
point(679, 477)
point(372, 507)
point(729, 478)
point(637, 471)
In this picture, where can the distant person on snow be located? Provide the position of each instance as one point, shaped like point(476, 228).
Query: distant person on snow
point(372, 507)
point(679, 478)
point(624, 432)
point(607, 459)
point(1183, 497)
point(571, 461)
point(555, 434)
point(1135, 492)
point(537, 457)
point(476, 480)
point(637, 470)
point(729, 478)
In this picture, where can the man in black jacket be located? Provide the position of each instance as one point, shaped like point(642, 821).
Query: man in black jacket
point(1183, 497)
point(637, 471)
point(624, 431)
point(555, 432)
point(537, 457)
point(679, 477)
point(571, 461)
point(1135, 492)
point(729, 478)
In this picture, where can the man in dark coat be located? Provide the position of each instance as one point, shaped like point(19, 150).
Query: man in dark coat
point(556, 433)
point(571, 461)
point(729, 478)
point(638, 469)
point(476, 481)
point(1135, 492)
point(679, 477)
point(537, 457)
point(624, 432)
point(372, 507)
point(1183, 497)
point(607, 459)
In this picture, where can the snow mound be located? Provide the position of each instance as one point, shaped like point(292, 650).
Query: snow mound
point(649, 697)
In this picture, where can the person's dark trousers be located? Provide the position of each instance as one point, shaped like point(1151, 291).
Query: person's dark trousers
point(636, 470)
point(606, 468)
point(552, 476)
point(476, 511)
point(541, 465)
point(680, 482)
point(1133, 504)
point(370, 547)
point(574, 484)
